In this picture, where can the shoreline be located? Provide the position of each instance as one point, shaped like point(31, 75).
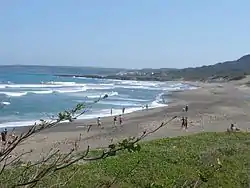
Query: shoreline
point(212, 108)
point(192, 85)
point(138, 109)
point(92, 121)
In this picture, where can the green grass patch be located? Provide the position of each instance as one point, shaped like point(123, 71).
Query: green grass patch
point(171, 162)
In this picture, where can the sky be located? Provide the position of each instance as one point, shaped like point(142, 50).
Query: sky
point(123, 33)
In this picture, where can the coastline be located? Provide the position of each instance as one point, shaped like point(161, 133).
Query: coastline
point(161, 100)
point(167, 97)
point(212, 108)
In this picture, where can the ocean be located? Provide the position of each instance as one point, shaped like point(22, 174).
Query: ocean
point(30, 93)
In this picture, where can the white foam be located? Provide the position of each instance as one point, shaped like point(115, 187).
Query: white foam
point(22, 123)
point(98, 87)
point(113, 93)
point(157, 102)
point(106, 113)
point(137, 87)
point(102, 95)
point(2, 86)
point(192, 88)
point(94, 96)
point(154, 85)
point(129, 99)
point(117, 103)
point(171, 88)
point(71, 90)
point(17, 124)
point(147, 86)
point(141, 83)
point(104, 86)
point(41, 92)
point(43, 85)
point(5, 103)
point(101, 113)
point(22, 93)
point(117, 83)
point(61, 83)
point(13, 94)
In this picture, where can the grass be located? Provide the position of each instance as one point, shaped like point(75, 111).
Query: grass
point(171, 162)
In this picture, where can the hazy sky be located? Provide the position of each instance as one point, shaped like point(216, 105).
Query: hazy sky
point(123, 33)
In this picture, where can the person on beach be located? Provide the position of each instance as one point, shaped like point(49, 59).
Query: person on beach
point(4, 135)
point(99, 122)
point(123, 110)
point(182, 122)
point(186, 108)
point(5, 132)
point(115, 120)
point(120, 119)
point(13, 137)
point(233, 128)
point(186, 123)
point(111, 111)
point(146, 106)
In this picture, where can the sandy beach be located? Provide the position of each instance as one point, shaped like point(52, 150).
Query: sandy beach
point(212, 107)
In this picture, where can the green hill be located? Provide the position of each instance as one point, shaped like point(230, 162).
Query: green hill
point(226, 71)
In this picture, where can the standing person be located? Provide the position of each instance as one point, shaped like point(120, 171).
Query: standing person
point(186, 108)
point(111, 111)
point(123, 110)
point(3, 136)
point(115, 120)
point(182, 122)
point(99, 122)
point(120, 119)
point(186, 122)
point(5, 132)
point(146, 106)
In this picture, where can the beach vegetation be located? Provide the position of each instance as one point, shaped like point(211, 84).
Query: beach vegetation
point(200, 160)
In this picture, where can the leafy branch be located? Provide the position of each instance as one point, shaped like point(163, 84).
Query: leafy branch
point(30, 174)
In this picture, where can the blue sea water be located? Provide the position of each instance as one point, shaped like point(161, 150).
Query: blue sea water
point(28, 94)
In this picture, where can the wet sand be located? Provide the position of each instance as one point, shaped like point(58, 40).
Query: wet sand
point(212, 107)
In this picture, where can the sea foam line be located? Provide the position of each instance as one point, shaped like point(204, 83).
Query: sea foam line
point(101, 113)
point(43, 85)
point(105, 112)
point(23, 93)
